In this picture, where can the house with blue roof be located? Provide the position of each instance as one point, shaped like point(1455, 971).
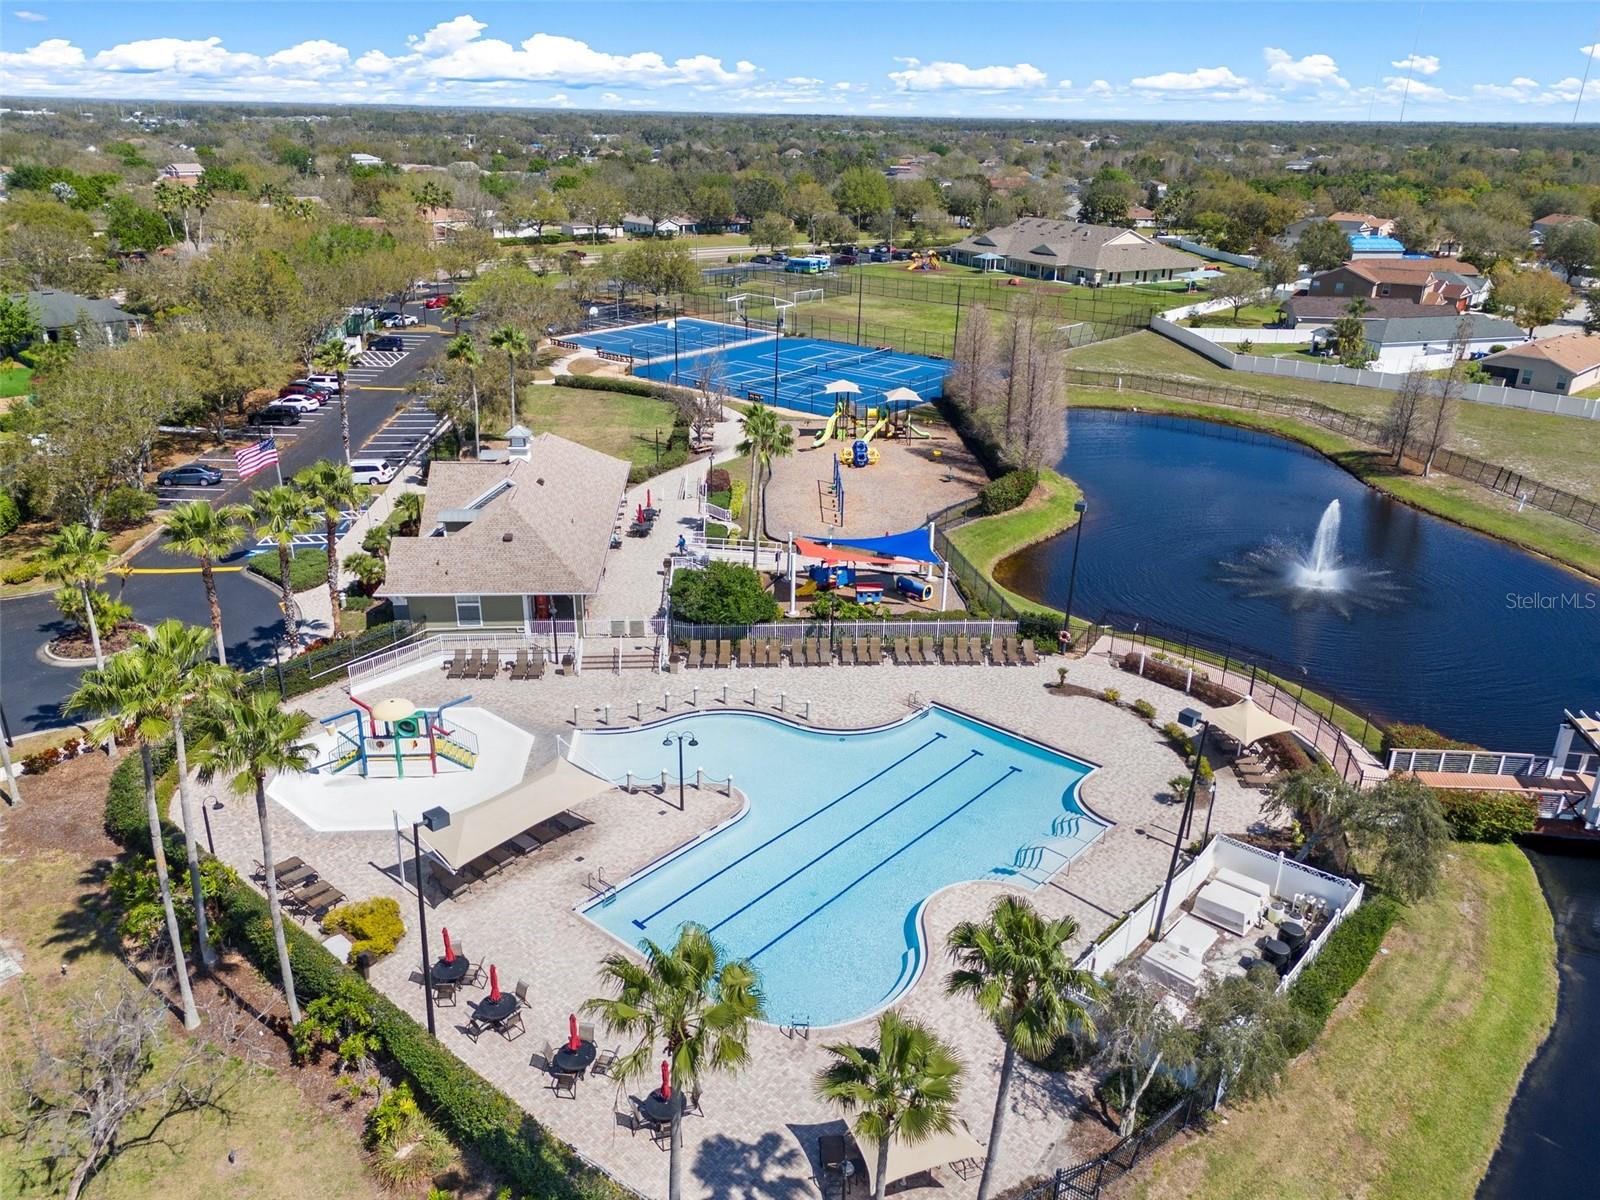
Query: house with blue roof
point(1373, 245)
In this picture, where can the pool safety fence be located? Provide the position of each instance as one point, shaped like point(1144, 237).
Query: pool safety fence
point(718, 694)
point(1506, 481)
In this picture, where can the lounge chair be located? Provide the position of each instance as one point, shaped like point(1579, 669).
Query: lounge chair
point(321, 900)
point(1013, 651)
point(964, 653)
point(901, 651)
point(928, 656)
point(874, 650)
point(297, 878)
point(568, 822)
point(525, 843)
point(914, 650)
point(280, 869)
point(744, 655)
point(491, 665)
point(449, 884)
point(1030, 652)
point(947, 651)
point(724, 652)
point(975, 651)
point(456, 668)
point(695, 651)
point(864, 655)
point(999, 652)
point(847, 652)
point(800, 655)
point(519, 665)
point(819, 657)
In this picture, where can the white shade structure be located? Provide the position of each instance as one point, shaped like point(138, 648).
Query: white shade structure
point(902, 393)
point(954, 1145)
point(1247, 722)
point(841, 386)
point(393, 709)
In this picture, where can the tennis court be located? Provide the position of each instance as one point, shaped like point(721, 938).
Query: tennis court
point(656, 340)
point(804, 367)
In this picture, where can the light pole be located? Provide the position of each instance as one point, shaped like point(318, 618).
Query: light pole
point(435, 819)
point(1080, 507)
point(13, 793)
point(1189, 717)
point(673, 325)
point(680, 738)
point(776, 342)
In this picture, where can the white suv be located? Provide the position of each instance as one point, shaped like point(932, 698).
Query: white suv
point(327, 381)
point(372, 470)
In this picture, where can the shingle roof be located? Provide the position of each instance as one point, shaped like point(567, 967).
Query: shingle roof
point(1575, 352)
point(1086, 247)
point(59, 310)
point(540, 527)
point(1331, 308)
point(1440, 329)
point(1407, 270)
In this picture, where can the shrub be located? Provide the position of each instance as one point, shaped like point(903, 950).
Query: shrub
point(307, 569)
point(1179, 737)
point(1112, 696)
point(38, 764)
point(373, 926)
point(1288, 751)
point(1145, 709)
point(127, 507)
point(1488, 816)
point(717, 480)
point(1043, 627)
point(722, 593)
point(1007, 492)
point(338, 1022)
point(1200, 687)
point(736, 499)
point(10, 514)
point(22, 572)
point(1342, 962)
point(1405, 736)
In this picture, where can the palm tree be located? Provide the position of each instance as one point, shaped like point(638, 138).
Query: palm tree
point(124, 692)
point(904, 1087)
point(197, 529)
point(78, 557)
point(464, 350)
point(280, 513)
point(765, 438)
point(1015, 967)
point(458, 308)
point(186, 674)
point(333, 357)
point(407, 512)
point(515, 344)
point(250, 738)
point(330, 489)
point(690, 1003)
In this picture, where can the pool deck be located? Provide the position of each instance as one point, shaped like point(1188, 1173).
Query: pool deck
point(759, 1133)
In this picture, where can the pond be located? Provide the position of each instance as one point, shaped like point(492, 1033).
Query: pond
point(1228, 533)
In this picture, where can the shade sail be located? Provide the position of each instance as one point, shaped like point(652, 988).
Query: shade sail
point(955, 1145)
point(1247, 722)
point(841, 385)
point(914, 545)
point(496, 820)
point(902, 393)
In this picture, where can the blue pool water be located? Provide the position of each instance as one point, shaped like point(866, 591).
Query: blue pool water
point(820, 881)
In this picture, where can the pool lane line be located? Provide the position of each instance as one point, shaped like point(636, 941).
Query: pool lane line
point(804, 867)
point(1010, 771)
point(652, 916)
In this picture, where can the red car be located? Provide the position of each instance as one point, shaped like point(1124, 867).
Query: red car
point(436, 302)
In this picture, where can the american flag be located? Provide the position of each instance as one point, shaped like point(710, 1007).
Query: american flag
point(255, 458)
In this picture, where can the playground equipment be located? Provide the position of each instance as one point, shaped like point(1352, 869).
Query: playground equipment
point(869, 593)
point(394, 731)
point(859, 454)
point(913, 589)
point(923, 262)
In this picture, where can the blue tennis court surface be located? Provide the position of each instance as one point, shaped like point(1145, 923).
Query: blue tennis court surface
point(804, 367)
point(655, 340)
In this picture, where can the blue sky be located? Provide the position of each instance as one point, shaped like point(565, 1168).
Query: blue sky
point(1499, 60)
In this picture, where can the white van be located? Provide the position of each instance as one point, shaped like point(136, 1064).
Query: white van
point(327, 381)
point(373, 470)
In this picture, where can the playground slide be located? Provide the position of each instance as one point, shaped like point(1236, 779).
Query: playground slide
point(826, 435)
point(913, 431)
point(876, 429)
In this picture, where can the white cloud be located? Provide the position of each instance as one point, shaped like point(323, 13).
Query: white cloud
point(195, 57)
point(1420, 64)
point(937, 76)
point(1414, 89)
point(1098, 88)
point(802, 81)
point(447, 36)
point(1314, 70)
point(1523, 90)
point(1201, 79)
point(841, 86)
point(316, 57)
point(23, 14)
point(566, 60)
point(1592, 51)
point(52, 54)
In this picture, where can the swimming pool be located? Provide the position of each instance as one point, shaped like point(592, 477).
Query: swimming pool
point(821, 880)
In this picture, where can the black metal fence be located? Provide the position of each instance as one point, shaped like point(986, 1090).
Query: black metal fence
point(318, 667)
point(1088, 1180)
point(1504, 480)
point(798, 323)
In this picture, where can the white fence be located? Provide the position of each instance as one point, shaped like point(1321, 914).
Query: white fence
point(790, 631)
point(1490, 762)
point(1284, 876)
point(1211, 252)
point(1480, 393)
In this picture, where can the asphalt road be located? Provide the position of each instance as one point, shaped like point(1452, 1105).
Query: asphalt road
point(385, 420)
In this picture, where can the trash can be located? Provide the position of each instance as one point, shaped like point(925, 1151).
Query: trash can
point(364, 964)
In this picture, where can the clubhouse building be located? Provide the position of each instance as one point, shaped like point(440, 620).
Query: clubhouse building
point(1067, 252)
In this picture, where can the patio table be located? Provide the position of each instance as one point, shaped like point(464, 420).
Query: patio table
point(574, 1062)
point(451, 970)
point(492, 1012)
point(658, 1109)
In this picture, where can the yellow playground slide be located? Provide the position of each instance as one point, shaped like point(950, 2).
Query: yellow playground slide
point(883, 423)
point(826, 435)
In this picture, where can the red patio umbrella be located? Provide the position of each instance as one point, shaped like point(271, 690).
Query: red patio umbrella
point(572, 1031)
point(647, 503)
point(666, 1080)
point(449, 950)
point(494, 983)
point(638, 514)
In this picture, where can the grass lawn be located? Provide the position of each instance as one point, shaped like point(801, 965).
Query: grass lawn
point(1563, 452)
point(1045, 513)
point(975, 282)
point(621, 425)
point(1251, 316)
point(1454, 499)
point(15, 381)
point(308, 568)
point(1405, 1093)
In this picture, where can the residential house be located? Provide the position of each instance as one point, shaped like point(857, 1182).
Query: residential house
point(1429, 343)
point(580, 230)
point(510, 543)
point(1304, 311)
point(1061, 250)
point(642, 226)
point(1362, 224)
point(365, 160)
point(1141, 217)
point(67, 314)
point(1375, 245)
point(1570, 363)
point(1417, 279)
point(1546, 225)
point(181, 172)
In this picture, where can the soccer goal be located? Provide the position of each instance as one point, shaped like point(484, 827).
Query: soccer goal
point(804, 294)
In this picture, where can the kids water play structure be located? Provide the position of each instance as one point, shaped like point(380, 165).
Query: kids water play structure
point(393, 732)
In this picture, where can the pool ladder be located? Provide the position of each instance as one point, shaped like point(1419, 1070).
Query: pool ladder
point(798, 1027)
point(598, 885)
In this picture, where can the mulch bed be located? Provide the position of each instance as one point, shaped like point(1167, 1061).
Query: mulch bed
point(77, 644)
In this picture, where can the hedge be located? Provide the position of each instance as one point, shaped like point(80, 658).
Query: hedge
point(1488, 816)
point(1007, 492)
point(1200, 688)
point(1403, 736)
point(477, 1115)
point(1342, 962)
point(308, 569)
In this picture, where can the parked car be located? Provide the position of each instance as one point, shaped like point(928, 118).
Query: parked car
point(880, 256)
point(190, 475)
point(387, 343)
point(438, 301)
point(899, 255)
point(397, 320)
point(844, 260)
point(275, 414)
point(309, 387)
point(373, 470)
point(762, 259)
point(299, 401)
point(331, 382)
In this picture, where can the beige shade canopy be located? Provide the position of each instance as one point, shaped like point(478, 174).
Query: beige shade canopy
point(902, 393)
point(954, 1145)
point(1247, 722)
point(393, 709)
point(497, 820)
point(841, 385)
